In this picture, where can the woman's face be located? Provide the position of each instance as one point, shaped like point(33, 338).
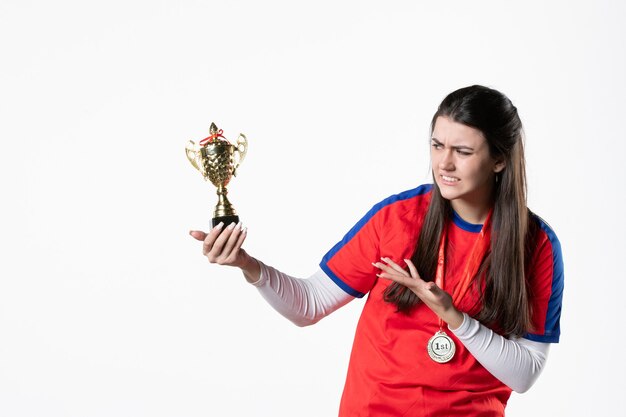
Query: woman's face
point(463, 167)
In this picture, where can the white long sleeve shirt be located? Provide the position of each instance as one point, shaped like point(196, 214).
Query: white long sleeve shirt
point(516, 362)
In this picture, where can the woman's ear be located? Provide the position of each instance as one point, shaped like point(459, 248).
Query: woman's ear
point(499, 166)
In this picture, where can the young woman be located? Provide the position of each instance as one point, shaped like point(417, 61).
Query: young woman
point(464, 282)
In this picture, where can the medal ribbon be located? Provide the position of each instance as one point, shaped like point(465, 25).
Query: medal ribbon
point(479, 249)
point(211, 138)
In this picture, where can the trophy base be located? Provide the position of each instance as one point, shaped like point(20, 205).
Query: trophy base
point(225, 219)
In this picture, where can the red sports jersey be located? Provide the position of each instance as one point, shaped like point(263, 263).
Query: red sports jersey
point(390, 372)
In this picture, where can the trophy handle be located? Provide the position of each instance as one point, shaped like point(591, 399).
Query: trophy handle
point(190, 150)
point(240, 151)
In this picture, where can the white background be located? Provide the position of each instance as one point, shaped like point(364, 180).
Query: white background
point(107, 307)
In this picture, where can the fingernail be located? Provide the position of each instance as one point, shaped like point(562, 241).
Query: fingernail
point(231, 226)
point(238, 225)
point(245, 230)
point(219, 225)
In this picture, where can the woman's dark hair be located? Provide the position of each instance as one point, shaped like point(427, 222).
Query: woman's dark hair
point(504, 298)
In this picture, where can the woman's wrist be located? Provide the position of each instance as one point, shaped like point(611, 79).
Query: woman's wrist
point(251, 269)
point(453, 317)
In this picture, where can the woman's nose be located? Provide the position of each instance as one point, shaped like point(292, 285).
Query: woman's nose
point(446, 162)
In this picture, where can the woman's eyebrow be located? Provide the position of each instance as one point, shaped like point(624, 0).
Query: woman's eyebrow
point(453, 147)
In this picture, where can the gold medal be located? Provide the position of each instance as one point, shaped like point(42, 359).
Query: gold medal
point(441, 347)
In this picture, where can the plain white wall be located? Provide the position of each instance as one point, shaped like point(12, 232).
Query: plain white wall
point(107, 306)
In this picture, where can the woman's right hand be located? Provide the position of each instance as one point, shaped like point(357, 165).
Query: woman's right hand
point(222, 246)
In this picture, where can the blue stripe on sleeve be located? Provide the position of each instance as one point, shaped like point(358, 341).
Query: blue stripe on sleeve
point(553, 315)
point(340, 283)
point(422, 189)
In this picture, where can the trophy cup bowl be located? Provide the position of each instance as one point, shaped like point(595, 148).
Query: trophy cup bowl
point(217, 160)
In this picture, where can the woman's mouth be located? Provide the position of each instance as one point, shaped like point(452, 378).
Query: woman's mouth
point(450, 180)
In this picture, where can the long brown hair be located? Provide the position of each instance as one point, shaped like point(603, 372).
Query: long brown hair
point(505, 297)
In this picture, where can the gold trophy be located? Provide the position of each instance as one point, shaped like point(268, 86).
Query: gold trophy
point(217, 160)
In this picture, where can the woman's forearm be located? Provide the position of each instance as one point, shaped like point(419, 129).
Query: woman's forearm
point(515, 362)
point(302, 301)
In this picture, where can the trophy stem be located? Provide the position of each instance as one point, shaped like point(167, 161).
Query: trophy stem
point(224, 211)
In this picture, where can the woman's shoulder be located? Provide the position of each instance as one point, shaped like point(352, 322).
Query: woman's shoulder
point(544, 246)
point(420, 192)
point(407, 206)
point(404, 201)
point(542, 228)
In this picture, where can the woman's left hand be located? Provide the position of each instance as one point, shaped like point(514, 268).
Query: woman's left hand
point(439, 301)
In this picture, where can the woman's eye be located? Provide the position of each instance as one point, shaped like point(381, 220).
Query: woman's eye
point(464, 153)
point(437, 146)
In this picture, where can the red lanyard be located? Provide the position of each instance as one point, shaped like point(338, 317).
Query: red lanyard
point(471, 265)
point(212, 137)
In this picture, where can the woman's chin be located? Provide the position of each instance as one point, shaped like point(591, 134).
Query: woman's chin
point(447, 193)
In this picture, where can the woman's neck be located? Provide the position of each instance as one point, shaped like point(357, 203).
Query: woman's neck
point(471, 213)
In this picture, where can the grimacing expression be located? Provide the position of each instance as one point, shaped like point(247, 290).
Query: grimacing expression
point(462, 164)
